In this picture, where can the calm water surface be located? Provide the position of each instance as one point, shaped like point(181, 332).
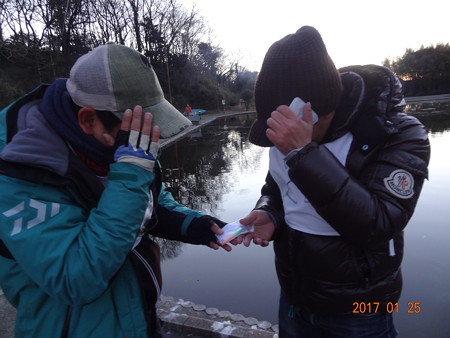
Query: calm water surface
point(219, 172)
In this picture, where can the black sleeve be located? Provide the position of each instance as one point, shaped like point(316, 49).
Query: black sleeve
point(271, 202)
point(364, 208)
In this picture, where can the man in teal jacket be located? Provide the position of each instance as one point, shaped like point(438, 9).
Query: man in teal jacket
point(81, 192)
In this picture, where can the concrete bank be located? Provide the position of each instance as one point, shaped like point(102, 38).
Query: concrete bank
point(179, 319)
point(186, 319)
point(7, 317)
point(428, 99)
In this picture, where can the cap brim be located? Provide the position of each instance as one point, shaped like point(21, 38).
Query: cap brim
point(257, 134)
point(168, 118)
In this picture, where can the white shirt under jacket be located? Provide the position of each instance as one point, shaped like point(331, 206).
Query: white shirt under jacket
point(299, 213)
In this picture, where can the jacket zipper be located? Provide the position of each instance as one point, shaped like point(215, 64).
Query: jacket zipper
point(150, 271)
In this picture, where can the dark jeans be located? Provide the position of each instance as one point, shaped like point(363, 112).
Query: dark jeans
point(309, 325)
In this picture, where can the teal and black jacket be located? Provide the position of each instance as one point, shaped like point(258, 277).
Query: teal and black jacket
point(66, 262)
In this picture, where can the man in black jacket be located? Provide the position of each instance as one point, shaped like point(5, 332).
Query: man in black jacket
point(339, 192)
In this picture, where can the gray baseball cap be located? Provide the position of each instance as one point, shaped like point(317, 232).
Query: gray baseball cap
point(114, 78)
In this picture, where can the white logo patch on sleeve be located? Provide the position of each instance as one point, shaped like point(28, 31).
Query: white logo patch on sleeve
point(400, 183)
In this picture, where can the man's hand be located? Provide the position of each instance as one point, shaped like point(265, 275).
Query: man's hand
point(214, 245)
point(264, 229)
point(203, 230)
point(133, 140)
point(287, 131)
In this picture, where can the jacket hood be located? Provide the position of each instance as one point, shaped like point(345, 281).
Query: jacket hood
point(372, 97)
point(35, 142)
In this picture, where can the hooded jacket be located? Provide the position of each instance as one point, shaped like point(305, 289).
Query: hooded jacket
point(368, 201)
point(67, 263)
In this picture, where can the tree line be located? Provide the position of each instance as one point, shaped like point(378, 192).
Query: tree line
point(425, 71)
point(41, 39)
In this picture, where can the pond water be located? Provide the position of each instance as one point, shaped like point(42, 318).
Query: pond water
point(220, 173)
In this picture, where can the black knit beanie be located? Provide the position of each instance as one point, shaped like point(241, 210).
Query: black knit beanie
point(297, 65)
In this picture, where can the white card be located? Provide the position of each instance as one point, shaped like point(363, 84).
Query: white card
point(297, 105)
point(233, 230)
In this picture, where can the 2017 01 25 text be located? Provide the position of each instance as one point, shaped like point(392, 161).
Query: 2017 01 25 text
point(374, 307)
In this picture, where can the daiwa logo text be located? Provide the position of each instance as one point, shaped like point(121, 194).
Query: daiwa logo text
point(39, 213)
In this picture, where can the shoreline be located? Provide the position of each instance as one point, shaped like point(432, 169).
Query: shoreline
point(204, 120)
point(179, 318)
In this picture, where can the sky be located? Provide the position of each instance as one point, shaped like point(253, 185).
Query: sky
point(355, 32)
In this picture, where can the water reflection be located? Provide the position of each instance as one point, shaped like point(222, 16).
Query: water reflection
point(221, 173)
point(201, 168)
point(427, 107)
point(204, 167)
point(435, 117)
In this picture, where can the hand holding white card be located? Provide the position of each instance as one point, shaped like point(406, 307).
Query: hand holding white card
point(297, 105)
point(233, 230)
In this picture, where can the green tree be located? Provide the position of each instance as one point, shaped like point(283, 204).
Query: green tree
point(41, 39)
point(425, 71)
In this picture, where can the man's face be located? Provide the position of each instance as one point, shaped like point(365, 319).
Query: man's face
point(321, 127)
point(103, 126)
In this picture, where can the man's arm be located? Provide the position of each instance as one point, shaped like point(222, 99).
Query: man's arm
point(366, 208)
point(178, 222)
point(267, 217)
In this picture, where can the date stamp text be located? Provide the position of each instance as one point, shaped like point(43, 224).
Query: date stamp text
point(374, 307)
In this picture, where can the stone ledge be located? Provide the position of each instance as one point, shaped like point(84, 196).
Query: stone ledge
point(180, 319)
point(196, 320)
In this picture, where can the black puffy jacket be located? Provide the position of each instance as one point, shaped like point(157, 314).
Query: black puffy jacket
point(328, 274)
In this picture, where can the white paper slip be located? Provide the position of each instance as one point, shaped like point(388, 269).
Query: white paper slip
point(297, 105)
point(232, 230)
